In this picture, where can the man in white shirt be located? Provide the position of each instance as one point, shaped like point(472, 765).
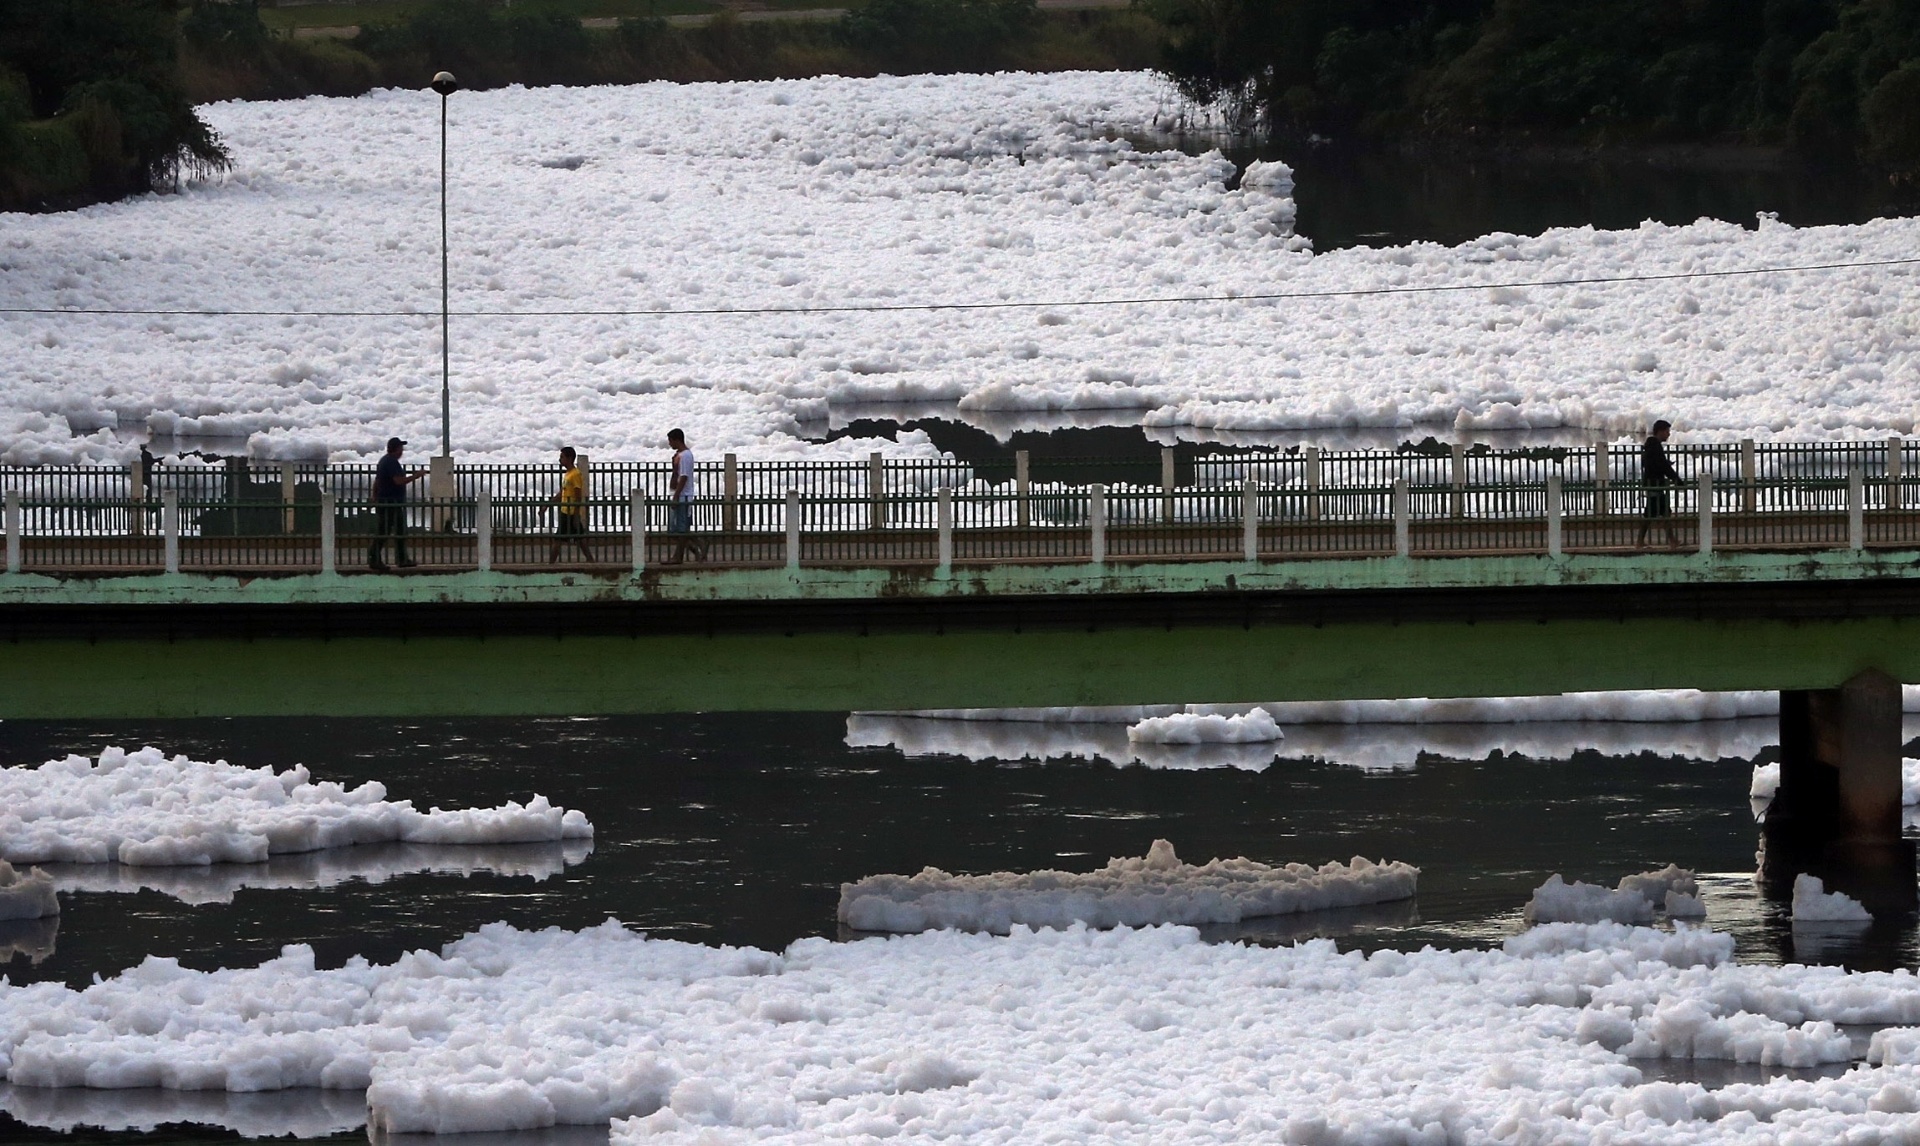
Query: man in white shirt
point(683, 489)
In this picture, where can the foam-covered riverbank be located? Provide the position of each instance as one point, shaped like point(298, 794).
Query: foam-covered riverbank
point(1128, 1035)
point(830, 192)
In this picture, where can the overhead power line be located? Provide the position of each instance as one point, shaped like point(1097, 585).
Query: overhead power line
point(997, 304)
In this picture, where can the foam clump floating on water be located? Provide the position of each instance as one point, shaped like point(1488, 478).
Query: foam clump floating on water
point(1813, 903)
point(1142, 1035)
point(26, 895)
point(1255, 726)
point(148, 809)
point(1633, 901)
point(1128, 892)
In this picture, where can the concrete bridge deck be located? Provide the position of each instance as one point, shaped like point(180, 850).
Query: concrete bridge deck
point(1007, 635)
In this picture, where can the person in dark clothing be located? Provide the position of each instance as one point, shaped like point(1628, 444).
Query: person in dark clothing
point(1657, 474)
point(390, 482)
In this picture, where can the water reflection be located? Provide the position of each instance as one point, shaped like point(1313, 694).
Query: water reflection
point(546, 1136)
point(302, 1113)
point(32, 939)
point(366, 863)
point(1370, 747)
point(1334, 923)
point(1378, 197)
point(988, 436)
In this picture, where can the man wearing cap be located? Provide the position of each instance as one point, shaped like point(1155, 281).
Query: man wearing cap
point(390, 484)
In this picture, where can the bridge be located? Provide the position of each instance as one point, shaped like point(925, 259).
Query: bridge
point(242, 589)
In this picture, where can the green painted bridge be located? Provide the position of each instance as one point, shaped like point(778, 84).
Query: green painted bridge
point(243, 588)
point(667, 640)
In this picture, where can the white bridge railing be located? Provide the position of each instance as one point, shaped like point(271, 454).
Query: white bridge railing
point(244, 516)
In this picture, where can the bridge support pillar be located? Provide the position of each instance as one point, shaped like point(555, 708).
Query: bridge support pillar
point(1837, 812)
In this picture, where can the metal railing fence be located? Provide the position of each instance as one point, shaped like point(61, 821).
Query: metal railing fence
point(1253, 505)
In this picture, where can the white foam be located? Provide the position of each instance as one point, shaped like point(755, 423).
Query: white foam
point(1634, 901)
point(1813, 903)
point(832, 191)
point(1650, 706)
point(26, 895)
point(147, 809)
point(1127, 892)
point(1125, 1035)
point(1766, 782)
point(1255, 726)
point(1371, 747)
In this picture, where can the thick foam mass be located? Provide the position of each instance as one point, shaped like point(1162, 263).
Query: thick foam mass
point(1671, 889)
point(1255, 726)
point(148, 809)
point(26, 894)
point(831, 192)
point(1131, 1036)
point(1127, 892)
point(1813, 903)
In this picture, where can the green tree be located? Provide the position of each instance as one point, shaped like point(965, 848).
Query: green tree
point(104, 73)
point(1823, 74)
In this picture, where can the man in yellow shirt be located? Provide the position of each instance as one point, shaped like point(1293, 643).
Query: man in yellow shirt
point(572, 500)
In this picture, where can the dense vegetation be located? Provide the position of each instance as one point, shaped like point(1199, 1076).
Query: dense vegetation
point(96, 96)
point(1825, 76)
point(91, 105)
point(488, 44)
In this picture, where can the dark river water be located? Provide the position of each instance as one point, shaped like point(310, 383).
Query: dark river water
point(1370, 197)
point(740, 828)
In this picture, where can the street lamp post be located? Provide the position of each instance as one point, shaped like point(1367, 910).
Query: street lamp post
point(446, 85)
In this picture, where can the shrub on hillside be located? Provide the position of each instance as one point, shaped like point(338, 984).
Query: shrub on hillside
point(938, 33)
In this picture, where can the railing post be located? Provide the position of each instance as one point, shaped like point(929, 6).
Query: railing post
point(876, 491)
point(637, 522)
point(1166, 484)
point(1896, 445)
point(1313, 483)
point(170, 529)
point(1097, 524)
point(944, 522)
point(136, 493)
point(1250, 521)
point(1706, 514)
point(1602, 501)
point(730, 490)
point(483, 530)
point(13, 531)
point(1402, 511)
point(793, 524)
point(1749, 477)
point(327, 524)
point(440, 488)
point(1022, 489)
point(1459, 480)
point(287, 486)
point(1556, 511)
point(1856, 506)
